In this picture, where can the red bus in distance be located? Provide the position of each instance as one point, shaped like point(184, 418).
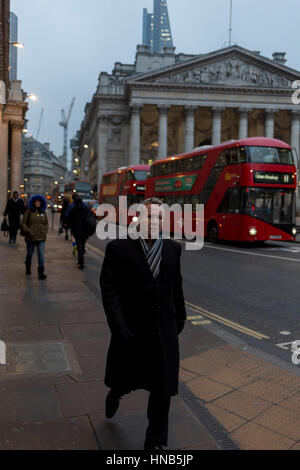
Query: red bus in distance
point(126, 181)
point(248, 188)
point(83, 189)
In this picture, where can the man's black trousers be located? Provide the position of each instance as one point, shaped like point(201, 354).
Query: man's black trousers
point(80, 243)
point(158, 417)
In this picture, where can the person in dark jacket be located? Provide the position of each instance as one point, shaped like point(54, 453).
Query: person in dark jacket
point(141, 287)
point(35, 226)
point(76, 219)
point(63, 220)
point(14, 209)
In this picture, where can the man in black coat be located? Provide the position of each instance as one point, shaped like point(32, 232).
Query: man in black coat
point(142, 295)
point(76, 219)
point(14, 209)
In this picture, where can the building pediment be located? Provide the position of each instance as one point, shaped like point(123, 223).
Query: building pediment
point(231, 67)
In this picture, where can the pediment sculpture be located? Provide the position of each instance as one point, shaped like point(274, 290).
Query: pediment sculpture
point(232, 71)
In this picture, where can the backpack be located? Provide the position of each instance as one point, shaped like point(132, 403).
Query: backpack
point(90, 224)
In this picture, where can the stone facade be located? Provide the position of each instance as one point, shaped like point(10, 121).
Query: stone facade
point(168, 104)
point(41, 168)
point(12, 115)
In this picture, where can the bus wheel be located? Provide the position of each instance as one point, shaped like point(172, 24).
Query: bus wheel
point(213, 232)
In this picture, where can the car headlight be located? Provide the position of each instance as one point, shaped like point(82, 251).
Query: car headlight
point(252, 231)
point(294, 231)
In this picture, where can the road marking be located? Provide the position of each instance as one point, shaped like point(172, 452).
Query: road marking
point(196, 317)
point(287, 346)
point(286, 333)
point(96, 250)
point(252, 254)
point(291, 250)
point(218, 318)
point(198, 320)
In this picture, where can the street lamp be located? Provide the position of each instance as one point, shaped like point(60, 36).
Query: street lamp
point(19, 45)
point(32, 97)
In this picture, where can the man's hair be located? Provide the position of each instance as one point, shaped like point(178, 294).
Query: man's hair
point(152, 200)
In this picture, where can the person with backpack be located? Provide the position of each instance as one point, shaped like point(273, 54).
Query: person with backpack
point(80, 219)
point(35, 228)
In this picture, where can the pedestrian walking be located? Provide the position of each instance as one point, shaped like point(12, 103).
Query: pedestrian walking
point(141, 287)
point(35, 227)
point(63, 222)
point(76, 219)
point(14, 209)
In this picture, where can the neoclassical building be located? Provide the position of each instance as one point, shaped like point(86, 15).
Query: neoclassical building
point(166, 104)
point(41, 168)
point(13, 109)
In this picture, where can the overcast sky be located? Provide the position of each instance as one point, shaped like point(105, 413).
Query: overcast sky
point(69, 42)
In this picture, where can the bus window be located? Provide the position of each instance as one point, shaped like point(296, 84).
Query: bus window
point(231, 202)
point(242, 155)
point(233, 156)
point(223, 159)
point(179, 166)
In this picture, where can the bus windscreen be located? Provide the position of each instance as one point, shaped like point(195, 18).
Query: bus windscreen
point(270, 155)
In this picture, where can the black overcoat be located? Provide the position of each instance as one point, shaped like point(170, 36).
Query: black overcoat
point(14, 209)
point(151, 308)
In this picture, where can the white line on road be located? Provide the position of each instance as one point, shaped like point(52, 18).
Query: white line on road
point(250, 253)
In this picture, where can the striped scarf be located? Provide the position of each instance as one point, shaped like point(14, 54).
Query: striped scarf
point(153, 254)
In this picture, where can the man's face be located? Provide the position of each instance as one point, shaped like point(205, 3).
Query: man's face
point(152, 221)
point(15, 195)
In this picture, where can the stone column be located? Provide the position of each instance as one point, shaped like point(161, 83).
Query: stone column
point(217, 125)
point(243, 125)
point(3, 162)
point(269, 129)
point(16, 156)
point(189, 128)
point(163, 132)
point(102, 148)
point(295, 132)
point(135, 135)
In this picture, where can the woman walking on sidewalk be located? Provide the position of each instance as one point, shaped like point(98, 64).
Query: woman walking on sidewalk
point(35, 226)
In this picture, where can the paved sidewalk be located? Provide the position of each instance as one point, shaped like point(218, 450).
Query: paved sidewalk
point(51, 391)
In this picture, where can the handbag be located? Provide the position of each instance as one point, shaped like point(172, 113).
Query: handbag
point(4, 228)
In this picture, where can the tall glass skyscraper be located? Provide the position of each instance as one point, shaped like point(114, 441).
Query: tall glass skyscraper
point(13, 51)
point(156, 27)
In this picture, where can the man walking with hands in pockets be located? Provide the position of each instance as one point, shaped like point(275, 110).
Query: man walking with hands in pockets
point(142, 295)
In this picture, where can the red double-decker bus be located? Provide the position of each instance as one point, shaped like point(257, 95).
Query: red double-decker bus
point(83, 189)
point(248, 188)
point(126, 181)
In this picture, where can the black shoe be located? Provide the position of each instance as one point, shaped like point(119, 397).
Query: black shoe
point(151, 447)
point(112, 403)
point(42, 276)
point(9, 242)
point(28, 268)
point(80, 266)
point(14, 240)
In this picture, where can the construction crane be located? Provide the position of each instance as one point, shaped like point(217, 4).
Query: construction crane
point(40, 122)
point(65, 124)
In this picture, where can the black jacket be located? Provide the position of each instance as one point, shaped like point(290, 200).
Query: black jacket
point(151, 308)
point(76, 219)
point(14, 209)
